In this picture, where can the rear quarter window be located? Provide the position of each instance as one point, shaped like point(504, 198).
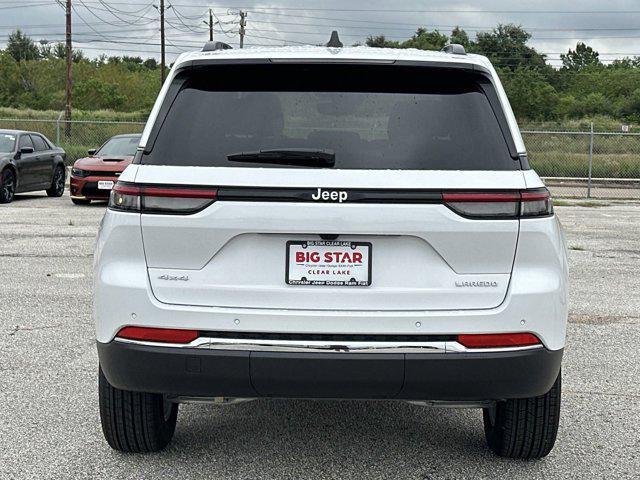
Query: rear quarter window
point(371, 117)
point(39, 143)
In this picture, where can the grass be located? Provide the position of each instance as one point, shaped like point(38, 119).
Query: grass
point(568, 155)
point(103, 115)
point(583, 203)
point(601, 123)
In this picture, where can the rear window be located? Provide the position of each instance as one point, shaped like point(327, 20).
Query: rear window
point(370, 117)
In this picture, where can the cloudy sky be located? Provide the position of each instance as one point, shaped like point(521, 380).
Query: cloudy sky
point(121, 27)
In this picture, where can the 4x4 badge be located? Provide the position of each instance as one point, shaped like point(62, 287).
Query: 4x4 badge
point(182, 278)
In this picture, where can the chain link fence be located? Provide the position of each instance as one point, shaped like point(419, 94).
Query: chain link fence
point(76, 136)
point(604, 165)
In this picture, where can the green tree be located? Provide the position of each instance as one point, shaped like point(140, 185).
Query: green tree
point(566, 107)
point(459, 36)
point(94, 94)
point(59, 50)
point(151, 64)
point(630, 106)
point(10, 84)
point(595, 103)
point(424, 39)
point(21, 47)
point(506, 46)
point(380, 41)
point(530, 93)
point(580, 58)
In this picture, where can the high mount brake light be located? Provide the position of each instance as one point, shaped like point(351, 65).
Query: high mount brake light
point(162, 335)
point(498, 340)
point(161, 199)
point(500, 205)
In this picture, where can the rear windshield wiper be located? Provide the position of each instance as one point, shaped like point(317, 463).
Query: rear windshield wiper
point(287, 156)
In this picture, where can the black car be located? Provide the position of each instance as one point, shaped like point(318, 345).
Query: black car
point(29, 162)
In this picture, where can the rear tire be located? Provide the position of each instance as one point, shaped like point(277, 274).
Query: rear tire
point(524, 427)
point(7, 185)
point(80, 201)
point(134, 421)
point(57, 183)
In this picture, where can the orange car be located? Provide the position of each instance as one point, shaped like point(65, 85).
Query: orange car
point(93, 177)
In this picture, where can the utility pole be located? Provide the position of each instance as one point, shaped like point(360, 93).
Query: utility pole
point(69, 54)
point(161, 42)
point(210, 26)
point(243, 23)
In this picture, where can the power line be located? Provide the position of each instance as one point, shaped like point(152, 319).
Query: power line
point(25, 6)
point(394, 10)
point(414, 26)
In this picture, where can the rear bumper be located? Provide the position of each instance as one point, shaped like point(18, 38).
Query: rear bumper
point(193, 372)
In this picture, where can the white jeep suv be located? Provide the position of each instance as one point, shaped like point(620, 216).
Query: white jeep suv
point(341, 223)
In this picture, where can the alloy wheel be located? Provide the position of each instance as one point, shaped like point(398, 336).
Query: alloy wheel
point(58, 180)
point(8, 186)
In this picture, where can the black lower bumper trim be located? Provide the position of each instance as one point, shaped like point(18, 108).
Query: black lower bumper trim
point(430, 376)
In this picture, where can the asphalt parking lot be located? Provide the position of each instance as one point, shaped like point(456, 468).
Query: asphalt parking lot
point(50, 428)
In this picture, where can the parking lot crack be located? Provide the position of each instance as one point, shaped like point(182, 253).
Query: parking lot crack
point(18, 328)
point(603, 319)
point(607, 394)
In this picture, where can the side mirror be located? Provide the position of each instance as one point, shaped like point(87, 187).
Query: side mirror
point(92, 151)
point(24, 150)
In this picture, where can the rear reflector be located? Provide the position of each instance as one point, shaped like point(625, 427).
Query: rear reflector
point(497, 205)
point(162, 335)
point(498, 340)
point(161, 199)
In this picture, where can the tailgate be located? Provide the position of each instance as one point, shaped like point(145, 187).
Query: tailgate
point(423, 255)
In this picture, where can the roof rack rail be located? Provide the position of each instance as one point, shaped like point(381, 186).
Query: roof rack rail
point(211, 46)
point(334, 41)
point(454, 48)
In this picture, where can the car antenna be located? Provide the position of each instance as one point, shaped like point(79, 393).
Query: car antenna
point(334, 41)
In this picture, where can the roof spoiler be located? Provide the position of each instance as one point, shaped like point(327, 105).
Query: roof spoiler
point(212, 46)
point(454, 48)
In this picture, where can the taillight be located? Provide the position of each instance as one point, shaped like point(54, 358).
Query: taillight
point(125, 197)
point(483, 205)
point(536, 203)
point(498, 340)
point(500, 205)
point(161, 199)
point(162, 335)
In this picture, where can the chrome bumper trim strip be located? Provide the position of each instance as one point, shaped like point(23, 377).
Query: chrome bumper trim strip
point(311, 346)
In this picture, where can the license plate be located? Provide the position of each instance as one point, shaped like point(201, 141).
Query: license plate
point(331, 263)
point(105, 185)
